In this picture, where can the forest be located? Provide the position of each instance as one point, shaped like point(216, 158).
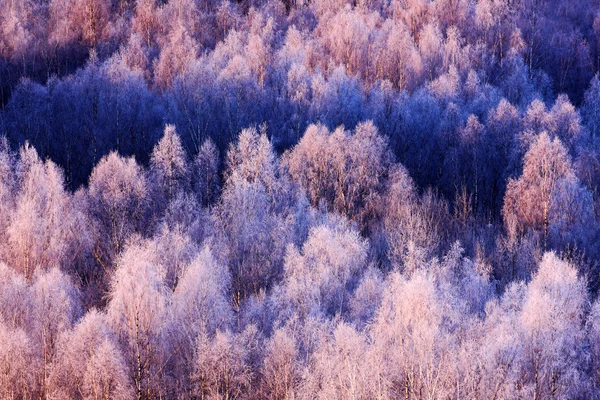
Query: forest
point(299, 199)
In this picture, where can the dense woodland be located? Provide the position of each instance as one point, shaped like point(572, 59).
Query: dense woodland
point(308, 199)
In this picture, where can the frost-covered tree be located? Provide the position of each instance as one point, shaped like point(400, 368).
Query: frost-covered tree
point(18, 366)
point(89, 363)
point(552, 320)
point(40, 231)
point(223, 366)
point(200, 307)
point(137, 312)
point(590, 110)
point(169, 169)
point(280, 371)
point(593, 332)
point(79, 21)
point(175, 57)
point(412, 225)
point(344, 170)
point(338, 367)
point(528, 199)
point(205, 173)
point(117, 202)
point(54, 309)
point(319, 275)
point(409, 338)
point(250, 222)
point(254, 237)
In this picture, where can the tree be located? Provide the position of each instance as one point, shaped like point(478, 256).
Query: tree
point(7, 187)
point(528, 199)
point(565, 122)
point(253, 159)
point(200, 308)
point(412, 224)
point(590, 109)
point(17, 40)
point(496, 19)
point(593, 332)
point(326, 91)
point(173, 250)
point(309, 164)
point(497, 348)
point(324, 220)
point(399, 60)
point(135, 56)
point(175, 57)
point(346, 171)
point(169, 170)
point(363, 173)
point(145, 21)
point(452, 13)
point(86, 21)
point(54, 309)
point(15, 301)
point(117, 204)
point(205, 173)
point(571, 215)
point(346, 35)
point(16, 357)
point(317, 277)
point(184, 214)
point(413, 14)
point(431, 49)
point(552, 322)
point(223, 365)
point(409, 338)
point(137, 311)
point(259, 48)
point(338, 368)
point(367, 297)
point(89, 363)
point(40, 228)
point(503, 125)
point(280, 370)
point(518, 254)
point(535, 119)
point(464, 166)
point(253, 235)
point(250, 214)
